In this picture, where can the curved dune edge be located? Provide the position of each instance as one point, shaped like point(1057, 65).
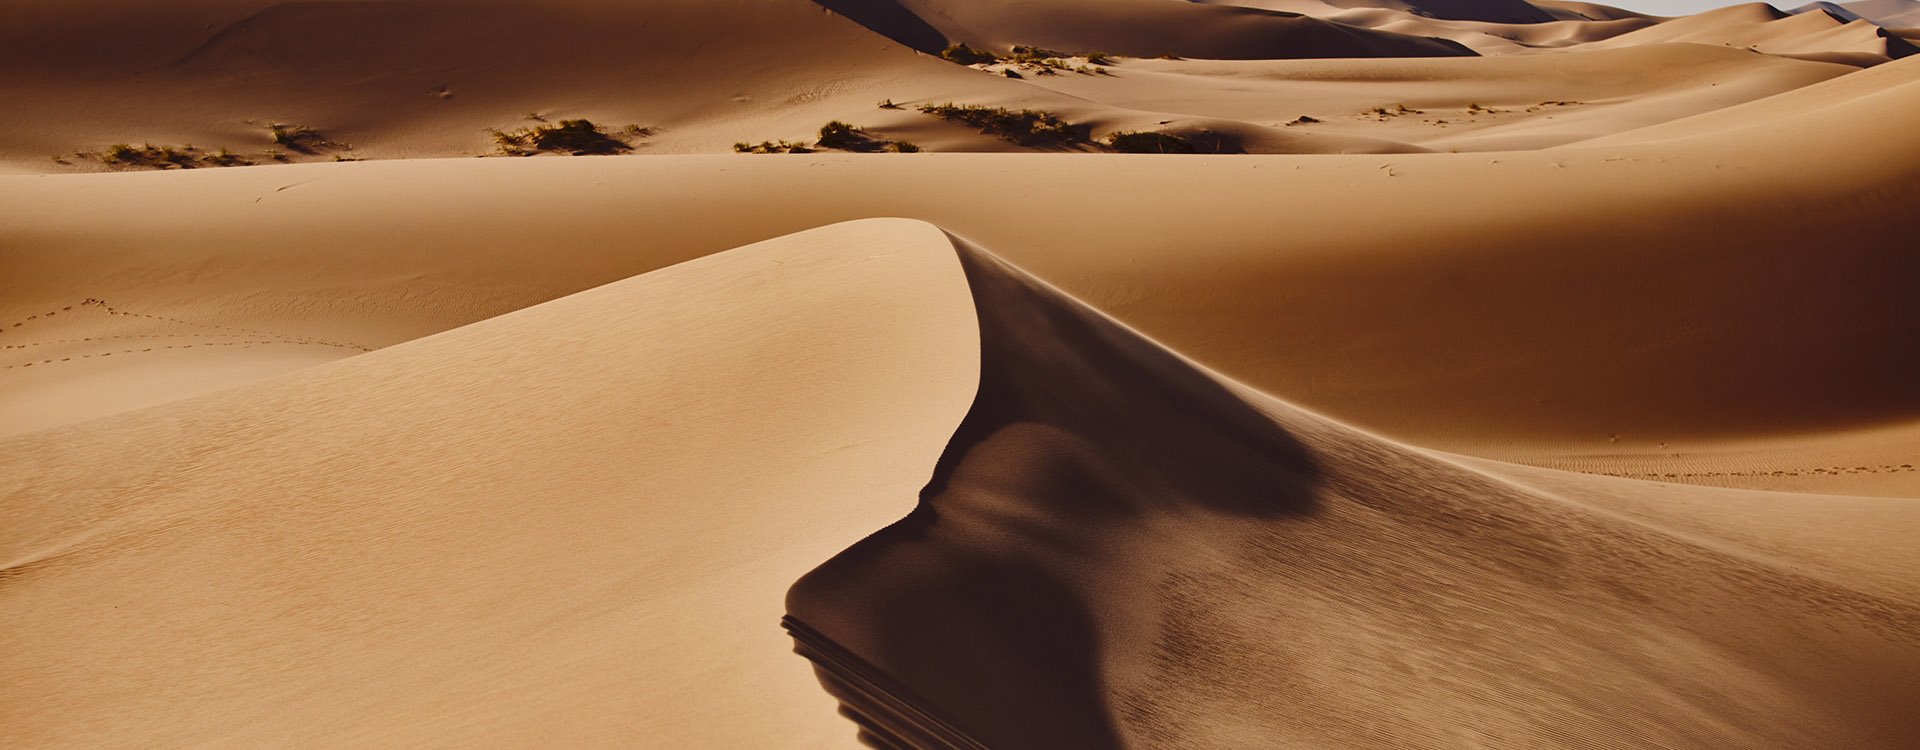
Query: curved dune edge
point(570, 525)
point(424, 78)
point(544, 526)
point(1120, 548)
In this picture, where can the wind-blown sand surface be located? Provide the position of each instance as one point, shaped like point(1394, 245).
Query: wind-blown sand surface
point(1567, 400)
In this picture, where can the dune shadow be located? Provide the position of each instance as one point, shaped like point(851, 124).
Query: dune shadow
point(981, 619)
point(891, 20)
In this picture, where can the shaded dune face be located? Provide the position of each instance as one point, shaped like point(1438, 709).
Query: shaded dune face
point(1142, 28)
point(1084, 442)
point(1119, 549)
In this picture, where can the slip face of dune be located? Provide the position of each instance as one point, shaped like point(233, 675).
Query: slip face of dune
point(1118, 548)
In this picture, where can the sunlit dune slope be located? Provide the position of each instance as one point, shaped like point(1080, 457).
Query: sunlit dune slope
point(441, 78)
point(430, 77)
point(1763, 28)
point(571, 525)
point(1710, 281)
point(1514, 102)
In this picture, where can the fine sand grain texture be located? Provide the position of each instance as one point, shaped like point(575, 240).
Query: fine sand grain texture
point(547, 528)
point(1269, 373)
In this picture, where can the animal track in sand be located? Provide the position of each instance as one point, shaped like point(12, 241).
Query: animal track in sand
point(1828, 471)
point(241, 344)
point(242, 337)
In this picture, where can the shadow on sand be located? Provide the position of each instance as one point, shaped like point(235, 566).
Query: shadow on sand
point(979, 619)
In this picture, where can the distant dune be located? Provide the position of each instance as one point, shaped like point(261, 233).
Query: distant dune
point(1142, 28)
point(417, 78)
point(1763, 28)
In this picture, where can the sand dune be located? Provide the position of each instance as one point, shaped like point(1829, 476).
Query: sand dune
point(1498, 11)
point(1820, 268)
point(1479, 104)
point(1156, 549)
point(1574, 10)
point(1763, 28)
point(1475, 25)
point(1889, 13)
point(613, 583)
point(399, 79)
point(1144, 28)
point(1501, 374)
point(1056, 515)
point(409, 79)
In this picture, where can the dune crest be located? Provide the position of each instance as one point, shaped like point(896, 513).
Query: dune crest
point(510, 533)
point(1119, 548)
point(1012, 374)
point(1143, 28)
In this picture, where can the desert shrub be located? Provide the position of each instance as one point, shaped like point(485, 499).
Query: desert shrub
point(300, 138)
point(1027, 53)
point(149, 156)
point(840, 135)
point(1099, 58)
point(575, 137)
point(1149, 142)
point(888, 104)
point(845, 137)
point(1036, 57)
point(1304, 120)
point(1394, 111)
point(965, 55)
point(772, 147)
point(225, 158)
point(1026, 126)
